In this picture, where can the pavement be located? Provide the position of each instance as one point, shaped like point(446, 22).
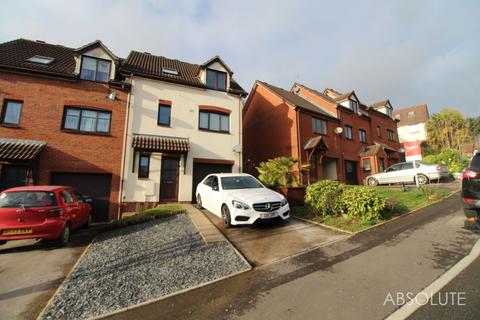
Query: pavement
point(276, 240)
point(31, 271)
point(348, 279)
point(459, 299)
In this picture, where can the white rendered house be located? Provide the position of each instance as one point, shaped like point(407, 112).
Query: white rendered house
point(184, 122)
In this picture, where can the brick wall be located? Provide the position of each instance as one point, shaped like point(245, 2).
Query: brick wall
point(41, 118)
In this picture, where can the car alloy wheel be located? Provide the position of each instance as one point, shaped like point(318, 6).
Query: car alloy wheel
point(199, 201)
point(65, 236)
point(422, 179)
point(227, 222)
point(372, 182)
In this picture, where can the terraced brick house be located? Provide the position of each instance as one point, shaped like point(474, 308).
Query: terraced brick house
point(63, 119)
point(339, 136)
point(184, 122)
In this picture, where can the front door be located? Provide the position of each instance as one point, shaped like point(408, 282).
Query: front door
point(169, 179)
point(351, 172)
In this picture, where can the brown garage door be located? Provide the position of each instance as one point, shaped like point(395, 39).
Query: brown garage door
point(201, 170)
point(94, 185)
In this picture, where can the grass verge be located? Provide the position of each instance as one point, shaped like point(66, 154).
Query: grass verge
point(399, 202)
point(158, 212)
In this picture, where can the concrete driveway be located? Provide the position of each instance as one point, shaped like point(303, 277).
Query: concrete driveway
point(31, 271)
point(267, 243)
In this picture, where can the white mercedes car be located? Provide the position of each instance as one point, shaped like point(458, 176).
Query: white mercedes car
point(239, 198)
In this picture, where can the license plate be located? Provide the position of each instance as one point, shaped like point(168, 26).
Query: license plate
point(12, 232)
point(268, 215)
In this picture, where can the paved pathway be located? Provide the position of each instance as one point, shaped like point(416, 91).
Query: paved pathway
point(276, 240)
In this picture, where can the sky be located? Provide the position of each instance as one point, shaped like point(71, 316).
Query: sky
point(408, 51)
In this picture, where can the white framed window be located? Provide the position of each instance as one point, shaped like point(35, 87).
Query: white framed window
point(354, 106)
point(95, 69)
point(348, 132)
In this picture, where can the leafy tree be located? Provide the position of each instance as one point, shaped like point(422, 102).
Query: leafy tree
point(448, 129)
point(474, 126)
point(280, 172)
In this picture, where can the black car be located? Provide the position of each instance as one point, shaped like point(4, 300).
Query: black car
point(471, 193)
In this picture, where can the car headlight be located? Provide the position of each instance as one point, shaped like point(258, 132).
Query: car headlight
point(284, 202)
point(240, 205)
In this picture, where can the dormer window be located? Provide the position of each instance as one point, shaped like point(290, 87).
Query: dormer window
point(216, 79)
point(389, 111)
point(95, 69)
point(171, 71)
point(354, 106)
point(41, 60)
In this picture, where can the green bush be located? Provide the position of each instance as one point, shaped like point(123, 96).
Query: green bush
point(332, 198)
point(363, 202)
point(280, 172)
point(324, 197)
point(449, 157)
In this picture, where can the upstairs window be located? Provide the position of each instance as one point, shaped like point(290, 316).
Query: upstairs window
point(95, 69)
point(86, 120)
point(390, 135)
point(348, 132)
point(389, 112)
point(319, 126)
point(164, 112)
point(11, 112)
point(354, 106)
point(362, 135)
point(379, 131)
point(411, 114)
point(216, 79)
point(214, 121)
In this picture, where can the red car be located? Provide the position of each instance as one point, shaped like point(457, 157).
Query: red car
point(42, 212)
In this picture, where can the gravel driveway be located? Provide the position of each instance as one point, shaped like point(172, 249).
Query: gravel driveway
point(142, 262)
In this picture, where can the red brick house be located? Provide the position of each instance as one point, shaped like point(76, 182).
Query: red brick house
point(63, 119)
point(341, 138)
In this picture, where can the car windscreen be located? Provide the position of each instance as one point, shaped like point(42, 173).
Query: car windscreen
point(27, 199)
point(240, 182)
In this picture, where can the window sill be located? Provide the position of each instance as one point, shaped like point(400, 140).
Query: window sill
point(87, 133)
point(213, 131)
point(164, 125)
point(12, 126)
point(321, 134)
point(96, 81)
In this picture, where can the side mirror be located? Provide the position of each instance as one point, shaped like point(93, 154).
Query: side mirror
point(215, 188)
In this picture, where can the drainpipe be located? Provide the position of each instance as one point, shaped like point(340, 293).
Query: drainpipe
point(298, 146)
point(125, 133)
point(240, 136)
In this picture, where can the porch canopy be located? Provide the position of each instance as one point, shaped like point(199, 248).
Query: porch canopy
point(373, 150)
point(15, 150)
point(162, 144)
point(314, 144)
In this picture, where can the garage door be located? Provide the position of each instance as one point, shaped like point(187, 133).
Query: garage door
point(201, 170)
point(96, 186)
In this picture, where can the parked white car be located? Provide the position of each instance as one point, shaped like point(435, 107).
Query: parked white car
point(404, 172)
point(240, 199)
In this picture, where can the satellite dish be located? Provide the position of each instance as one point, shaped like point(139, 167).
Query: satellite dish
point(338, 130)
point(237, 148)
point(112, 96)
